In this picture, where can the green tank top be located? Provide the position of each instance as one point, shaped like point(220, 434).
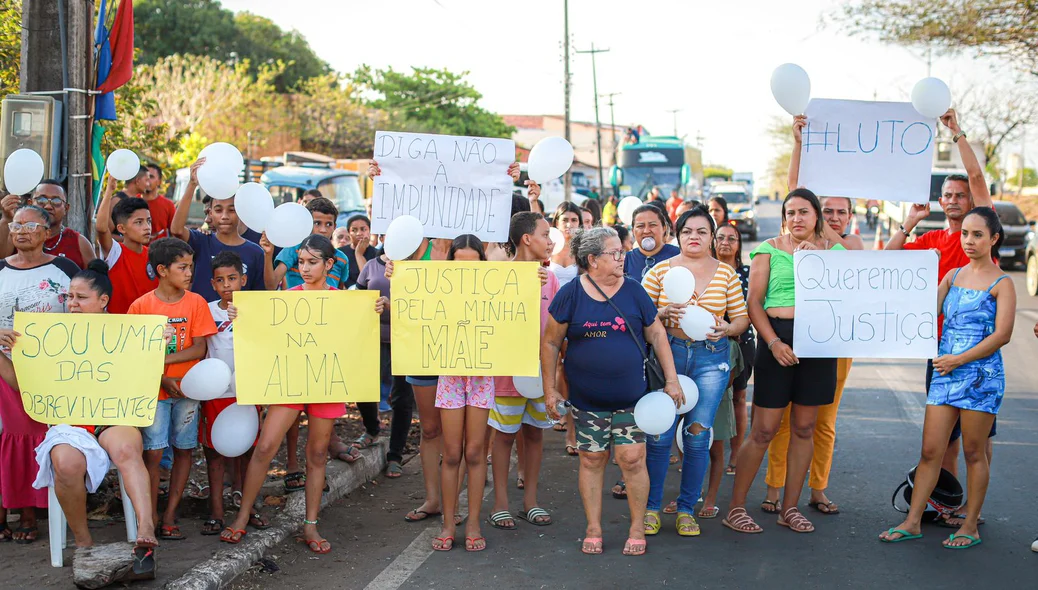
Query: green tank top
point(781, 286)
point(428, 252)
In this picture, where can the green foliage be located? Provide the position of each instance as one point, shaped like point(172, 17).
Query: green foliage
point(715, 170)
point(10, 45)
point(191, 144)
point(138, 126)
point(430, 100)
point(264, 43)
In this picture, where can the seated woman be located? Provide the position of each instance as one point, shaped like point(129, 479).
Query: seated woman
point(80, 454)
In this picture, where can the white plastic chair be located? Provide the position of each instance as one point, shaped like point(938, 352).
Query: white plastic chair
point(58, 526)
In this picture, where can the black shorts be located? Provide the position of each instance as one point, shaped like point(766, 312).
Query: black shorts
point(811, 382)
point(742, 379)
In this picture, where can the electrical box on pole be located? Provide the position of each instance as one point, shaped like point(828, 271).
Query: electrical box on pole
point(34, 123)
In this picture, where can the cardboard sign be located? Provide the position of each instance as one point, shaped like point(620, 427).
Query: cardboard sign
point(867, 150)
point(453, 185)
point(466, 318)
point(306, 347)
point(88, 369)
point(865, 304)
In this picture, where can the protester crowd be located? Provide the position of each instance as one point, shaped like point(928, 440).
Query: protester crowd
point(145, 260)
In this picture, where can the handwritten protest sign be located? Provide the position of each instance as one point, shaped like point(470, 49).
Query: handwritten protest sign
point(865, 304)
point(457, 318)
point(867, 150)
point(453, 185)
point(89, 369)
point(304, 347)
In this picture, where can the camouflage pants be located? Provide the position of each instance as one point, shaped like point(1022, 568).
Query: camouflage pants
point(597, 430)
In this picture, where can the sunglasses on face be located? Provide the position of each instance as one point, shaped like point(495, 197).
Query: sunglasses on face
point(44, 201)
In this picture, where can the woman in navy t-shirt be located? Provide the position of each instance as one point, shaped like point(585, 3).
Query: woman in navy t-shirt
point(606, 373)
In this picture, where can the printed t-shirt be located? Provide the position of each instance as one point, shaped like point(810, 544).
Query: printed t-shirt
point(66, 245)
point(162, 211)
point(781, 284)
point(190, 318)
point(221, 344)
point(723, 295)
point(255, 237)
point(604, 365)
point(40, 289)
point(206, 248)
point(636, 263)
point(290, 258)
point(373, 278)
point(130, 276)
point(351, 259)
point(503, 386)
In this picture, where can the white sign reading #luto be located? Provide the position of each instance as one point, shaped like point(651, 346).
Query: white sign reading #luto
point(865, 304)
point(453, 185)
point(867, 150)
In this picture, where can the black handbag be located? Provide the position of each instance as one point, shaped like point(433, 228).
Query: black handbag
point(653, 370)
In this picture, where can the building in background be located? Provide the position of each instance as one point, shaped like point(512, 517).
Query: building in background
point(529, 129)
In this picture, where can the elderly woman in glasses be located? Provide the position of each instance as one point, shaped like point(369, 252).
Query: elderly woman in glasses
point(33, 281)
point(605, 316)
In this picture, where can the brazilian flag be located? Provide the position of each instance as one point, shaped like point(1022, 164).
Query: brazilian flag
point(97, 160)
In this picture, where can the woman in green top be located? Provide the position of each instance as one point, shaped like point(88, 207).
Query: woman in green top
point(782, 378)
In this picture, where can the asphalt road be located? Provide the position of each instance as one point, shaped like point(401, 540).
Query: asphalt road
point(878, 440)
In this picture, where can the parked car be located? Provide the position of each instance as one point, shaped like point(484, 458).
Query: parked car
point(288, 183)
point(1032, 262)
point(1013, 251)
point(741, 206)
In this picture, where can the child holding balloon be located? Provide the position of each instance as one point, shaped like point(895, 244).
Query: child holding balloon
point(316, 256)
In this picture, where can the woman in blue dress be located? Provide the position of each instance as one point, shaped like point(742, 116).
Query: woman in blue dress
point(978, 302)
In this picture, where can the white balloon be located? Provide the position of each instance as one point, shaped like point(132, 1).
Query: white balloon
point(289, 224)
point(625, 209)
point(23, 171)
point(654, 413)
point(254, 205)
point(691, 391)
point(403, 236)
point(232, 391)
point(558, 239)
point(235, 429)
point(223, 155)
point(529, 387)
point(550, 158)
point(679, 284)
point(931, 97)
point(711, 443)
point(207, 380)
point(791, 88)
point(217, 182)
point(697, 322)
point(123, 165)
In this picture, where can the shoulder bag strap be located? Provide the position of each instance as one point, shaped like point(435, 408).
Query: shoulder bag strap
point(641, 345)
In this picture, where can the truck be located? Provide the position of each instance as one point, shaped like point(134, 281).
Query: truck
point(653, 161)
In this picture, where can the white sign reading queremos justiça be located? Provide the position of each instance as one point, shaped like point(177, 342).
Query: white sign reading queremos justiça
point(865, 304)
point(453, 185)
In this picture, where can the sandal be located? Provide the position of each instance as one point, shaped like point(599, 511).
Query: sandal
point(536, 516)
point(559, 427)
point(212, 527)
point(671, 508)
point(29, 534)
point(236, 499)
point(572, 450)
point(591, 546)
point(905, 535)
point(443, 543)
point(171, 532)
point(687, 526)
point(774, 506)
point(946, 521)
point(974, 541)
point(318, 546)
point(635, 547)
point(741, 522)
point(652, 527)
point(347, 454)
point(257, 521)
point(364, 441)
point(730, 470)
point(232, 536)
point(708, 512)
point(674, 460)
point(520, 483)
point(295, 482)
point(143, 560)
point(620, 490)
point(419, 515)
point(497, 518)
point(5, 534)
point(795, 521)
point(825, 507)
point(475, 543)
point(197, 491)
point(394, 470)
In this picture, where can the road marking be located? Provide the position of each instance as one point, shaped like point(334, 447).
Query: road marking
point(909, 402)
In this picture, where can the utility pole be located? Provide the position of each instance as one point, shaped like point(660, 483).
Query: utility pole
point(612, 126)
point(598, 124)
point(567, 178)
point(674, 113)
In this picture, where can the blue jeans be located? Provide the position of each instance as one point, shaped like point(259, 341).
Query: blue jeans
point(707, 364)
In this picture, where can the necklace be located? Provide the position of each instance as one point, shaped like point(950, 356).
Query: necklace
point(61, 235)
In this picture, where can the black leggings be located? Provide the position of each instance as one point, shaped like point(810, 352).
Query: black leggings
point(401, 400)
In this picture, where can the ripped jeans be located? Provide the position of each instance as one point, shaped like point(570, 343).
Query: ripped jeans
point(707, 364)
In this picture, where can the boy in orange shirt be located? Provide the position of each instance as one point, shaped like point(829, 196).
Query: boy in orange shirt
point(176, 417)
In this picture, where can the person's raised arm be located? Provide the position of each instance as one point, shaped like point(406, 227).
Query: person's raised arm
point(551, 348)
point(271, 276)
point(978, 184)
point(178, 227)
point(9, 203)
point(799, 122)
point(897, 240)
point(103, 222)
point(1005, 315)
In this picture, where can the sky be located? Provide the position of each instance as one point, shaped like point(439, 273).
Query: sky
point(711, 60)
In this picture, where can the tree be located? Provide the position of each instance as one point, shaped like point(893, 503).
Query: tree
point(996, 116)
point(333, 120)
point(166, 27)
point(1001, 28)
point(139, 126)
point(781, 134)
point(430, 100)
point(10, 45)
point(261, 41)
point(716, 170)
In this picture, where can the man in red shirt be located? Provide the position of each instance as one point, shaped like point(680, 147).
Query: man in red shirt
point(959, 194)
point(61, 240)
point(672, 205)
point(162, 209)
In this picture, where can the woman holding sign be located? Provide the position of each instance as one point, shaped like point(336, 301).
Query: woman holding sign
point(316, 258)
point(81, 454)
point(979, 308)
point(782, 379)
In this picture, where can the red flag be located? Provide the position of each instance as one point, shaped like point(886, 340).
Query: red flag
point(121, 39)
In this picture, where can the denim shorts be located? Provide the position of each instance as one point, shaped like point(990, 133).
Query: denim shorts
point(176, 420)
point(423, 381)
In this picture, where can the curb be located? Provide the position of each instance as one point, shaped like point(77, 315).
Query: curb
point(227, 564)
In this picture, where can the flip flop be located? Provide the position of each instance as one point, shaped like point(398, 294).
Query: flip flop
point(593, 541)
point(730, 470)
point(470, 544)
point(143, 560)
point(497, 518)
point(5, 534)
point(622, 494)
point(632, 544)
point(212, 527)
point(774, 507)
point(572, 450)
point(974, 541)
point(709, 512)
point(830, 507)
point(316, 545)
point(905, 536)
point(520, 483)
point(943, 521)
point(533, 514)
point(171, 532)
point(27, 530)
point(446, 543)
point(423, 515)
point(228, 535)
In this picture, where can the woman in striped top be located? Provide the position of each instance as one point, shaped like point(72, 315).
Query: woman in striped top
point(719, 291)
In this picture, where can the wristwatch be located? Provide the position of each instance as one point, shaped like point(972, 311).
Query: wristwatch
point(907, 233)
point(955, 138)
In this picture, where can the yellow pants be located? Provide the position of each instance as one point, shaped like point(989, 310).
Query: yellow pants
point(824, 439)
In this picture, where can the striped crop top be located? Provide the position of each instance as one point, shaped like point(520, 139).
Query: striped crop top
point(722, 295)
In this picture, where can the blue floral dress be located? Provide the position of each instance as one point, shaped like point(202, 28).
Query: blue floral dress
point(969, 317)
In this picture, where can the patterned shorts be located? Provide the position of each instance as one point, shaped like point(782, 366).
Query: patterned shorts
point(597, 430)
point(453, 393)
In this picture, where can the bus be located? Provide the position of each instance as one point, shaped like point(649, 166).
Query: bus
point(652, 161)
